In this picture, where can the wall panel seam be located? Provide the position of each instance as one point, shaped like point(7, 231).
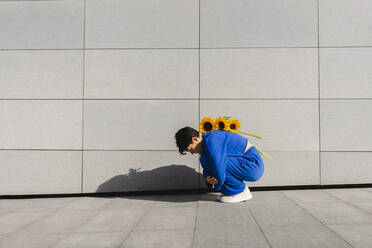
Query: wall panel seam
point(83, 103)
point(320, 161)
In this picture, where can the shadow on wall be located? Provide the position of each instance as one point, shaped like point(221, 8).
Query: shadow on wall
point(169, 177)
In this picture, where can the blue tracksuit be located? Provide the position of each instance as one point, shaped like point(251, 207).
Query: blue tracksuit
point(223, 159)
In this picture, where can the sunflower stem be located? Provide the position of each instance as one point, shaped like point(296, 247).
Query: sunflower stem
point(264, 154)
point(259, 137)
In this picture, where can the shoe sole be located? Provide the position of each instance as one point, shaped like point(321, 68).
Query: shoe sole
point(219, 197)
point(223, 201)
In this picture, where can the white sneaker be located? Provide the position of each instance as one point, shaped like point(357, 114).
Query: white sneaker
point(243, 196)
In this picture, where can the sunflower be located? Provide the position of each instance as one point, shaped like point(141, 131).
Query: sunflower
point(206, 125)
point(221, 124)
point(234, 125)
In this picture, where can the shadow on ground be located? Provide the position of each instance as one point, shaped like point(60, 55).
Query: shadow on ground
point(162, 178)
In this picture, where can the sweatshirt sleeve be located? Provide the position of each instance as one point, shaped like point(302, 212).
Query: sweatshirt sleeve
point(205, 174)
point(217, 158)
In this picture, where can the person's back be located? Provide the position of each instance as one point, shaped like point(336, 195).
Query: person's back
point(235, 143)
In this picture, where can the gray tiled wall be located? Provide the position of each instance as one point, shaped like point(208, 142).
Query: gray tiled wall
point(92, 91)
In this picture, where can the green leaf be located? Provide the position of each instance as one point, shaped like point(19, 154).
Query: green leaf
point(226, 117)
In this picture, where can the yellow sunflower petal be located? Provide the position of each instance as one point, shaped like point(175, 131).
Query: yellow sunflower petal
point(234, 125)
point(206, 125)
point(221, 124)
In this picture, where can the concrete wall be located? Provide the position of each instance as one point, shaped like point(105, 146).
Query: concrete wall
point(93, 91)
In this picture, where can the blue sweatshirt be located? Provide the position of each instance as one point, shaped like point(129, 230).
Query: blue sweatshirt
point(223, 158)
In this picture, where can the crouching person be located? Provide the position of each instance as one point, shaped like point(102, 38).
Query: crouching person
point(228, 159)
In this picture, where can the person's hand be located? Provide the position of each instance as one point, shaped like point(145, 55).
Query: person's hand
point(211, 180)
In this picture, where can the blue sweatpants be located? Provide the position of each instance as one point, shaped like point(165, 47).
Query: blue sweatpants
point(247, 167)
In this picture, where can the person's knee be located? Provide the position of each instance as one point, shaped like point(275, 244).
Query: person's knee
point(256, 176)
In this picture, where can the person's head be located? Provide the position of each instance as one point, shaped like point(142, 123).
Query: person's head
point(189, 139)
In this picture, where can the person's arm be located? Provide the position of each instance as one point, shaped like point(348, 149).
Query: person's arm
point(211, 180)
point(205, 174)
point(208, 179)
point(217, 159)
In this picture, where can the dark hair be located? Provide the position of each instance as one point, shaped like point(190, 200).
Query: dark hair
point(184, 138)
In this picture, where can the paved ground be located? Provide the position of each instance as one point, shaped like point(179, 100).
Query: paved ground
point(288, 218)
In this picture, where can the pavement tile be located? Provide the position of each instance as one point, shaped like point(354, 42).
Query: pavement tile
point(11, 222)
point(337, 213)
point(310, 196)
point(125, 202)
point(186, 200)
point(2, 213)
point(368, 189)
point(168, 218)
point(209, 199)
point(45, 204)
point(268, 197)
point(88, 203)
point(366, 206)
point(93, 240)
point(27, 240)
point(111, 221)
point(281, 214)
point(220, 236)
point(227, 215)
point(351, 195)
point(159, 239)
point(12, 205)
point(359, 198)
point(258, 197)
point(302, 235)
point(287, 218)
point(59, 222)
point(358, 235)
